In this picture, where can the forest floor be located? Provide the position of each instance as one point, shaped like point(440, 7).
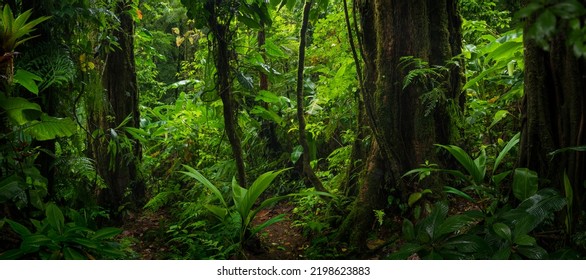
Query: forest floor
point(280, 241)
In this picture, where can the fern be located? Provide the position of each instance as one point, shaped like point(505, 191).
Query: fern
point(160, 200)
point(50, 62)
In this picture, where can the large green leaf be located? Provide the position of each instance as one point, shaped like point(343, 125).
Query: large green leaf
point(503, 231)
point(466, 161)
point(55, 217)
point(11, 187)
point(28, 80)
point(20, 110)
point(256, 189)
point(191, 172)
point(273, 50)
point(106, 233)
point(50, 128)
point(18, 228)
point(453, 224)
point(408, 230)
point(524, 183)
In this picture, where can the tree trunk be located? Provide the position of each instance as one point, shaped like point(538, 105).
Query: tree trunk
point(223, 56)
point(310, 175)
point(122, 95)
point(553, 116)
point(404, 133)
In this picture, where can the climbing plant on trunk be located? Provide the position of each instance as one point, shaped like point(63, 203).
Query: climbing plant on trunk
point(406, 118)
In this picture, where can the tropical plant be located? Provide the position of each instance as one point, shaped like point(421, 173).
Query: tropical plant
point(53, 238)
point(475, 234)
point(242, 211)
point(14, 32)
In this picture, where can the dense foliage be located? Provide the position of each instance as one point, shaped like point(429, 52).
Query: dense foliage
point(212, 150)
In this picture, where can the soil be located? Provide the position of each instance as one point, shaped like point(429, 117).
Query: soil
point(279, 241)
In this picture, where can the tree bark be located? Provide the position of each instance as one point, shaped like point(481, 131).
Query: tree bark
point(392, 29)
point(223, 56)
point(311, 177)
point(553, 116)
point(122, 94)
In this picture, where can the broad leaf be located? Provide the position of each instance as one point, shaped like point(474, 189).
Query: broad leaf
point(18, 228)
point(524, 183)
point(55, 217)
point(466, 161)
point(269, 222)
point(28, 80)
point(503, 231)
point(20, 110)
point(50, 128)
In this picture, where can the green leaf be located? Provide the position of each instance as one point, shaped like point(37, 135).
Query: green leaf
point(453, 224)
point(506, 150)
point(529, 9)
point(498, 116)
point(27, 80)
point(11, 187)
point(525, 240)
point(414, 197)
point(50, 128)
point(35, 241)
point(92, 244)
point(267, 115)
point(191, 172)
point(72, 254)
point(545, 23)
point(18, 228)
point(502, 254)
point(269, 222)
point(250, 22)
point(220, 212)
point(55, 217)
point(14, 254)
point(466, 161)
point(459, 193)
point(502, 231)
point(532, 252)
point(524, 183)
point(296, 153)
point(408, 230)
point(255, 191)
point(19, 110)
point(273, 50)
point(106, 233)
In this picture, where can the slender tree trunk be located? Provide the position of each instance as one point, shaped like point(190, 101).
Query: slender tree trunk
point(404, 133)
point(223, 56)
point(312, 178)
point(122, 95)
point(553, 116)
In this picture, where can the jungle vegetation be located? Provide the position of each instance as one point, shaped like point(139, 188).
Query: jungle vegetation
point(292, 129)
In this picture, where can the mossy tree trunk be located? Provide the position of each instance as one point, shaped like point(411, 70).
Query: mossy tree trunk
point(121, 88)
point(553, 116)
point(404, 133)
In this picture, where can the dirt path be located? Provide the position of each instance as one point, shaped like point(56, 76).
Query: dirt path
point(280, 241)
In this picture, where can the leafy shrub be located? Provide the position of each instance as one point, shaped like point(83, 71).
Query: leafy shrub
point(52, 238)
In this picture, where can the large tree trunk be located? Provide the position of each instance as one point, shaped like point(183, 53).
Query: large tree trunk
point(122, 96)
point(404, 133)
point(553, 116)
